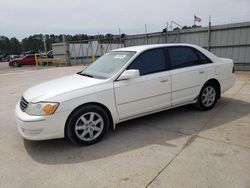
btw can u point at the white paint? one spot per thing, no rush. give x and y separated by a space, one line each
125 99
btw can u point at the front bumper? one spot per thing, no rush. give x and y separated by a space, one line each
40 127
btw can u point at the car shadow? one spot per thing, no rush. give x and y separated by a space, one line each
156 129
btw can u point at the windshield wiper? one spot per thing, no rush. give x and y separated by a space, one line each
84 74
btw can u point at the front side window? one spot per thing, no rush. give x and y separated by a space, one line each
107 65
182 57
149 62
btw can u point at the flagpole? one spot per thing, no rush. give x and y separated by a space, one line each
194 19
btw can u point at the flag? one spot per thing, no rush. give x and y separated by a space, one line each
197 19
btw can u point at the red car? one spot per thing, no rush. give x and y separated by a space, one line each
26 60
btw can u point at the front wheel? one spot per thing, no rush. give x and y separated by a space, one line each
16 64
207 97
87 125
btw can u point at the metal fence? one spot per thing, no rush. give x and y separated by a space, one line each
83 52
229 41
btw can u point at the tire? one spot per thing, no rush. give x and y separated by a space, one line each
15 64
87 125
208 96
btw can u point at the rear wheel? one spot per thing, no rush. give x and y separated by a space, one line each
208 96
87 125
16 64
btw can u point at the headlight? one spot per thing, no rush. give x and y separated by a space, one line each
42 108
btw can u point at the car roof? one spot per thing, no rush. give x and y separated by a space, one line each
152 46
139 49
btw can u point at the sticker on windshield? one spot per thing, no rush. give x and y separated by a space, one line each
120 56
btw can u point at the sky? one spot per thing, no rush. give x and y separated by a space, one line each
21 18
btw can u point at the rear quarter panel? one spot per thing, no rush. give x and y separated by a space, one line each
223 73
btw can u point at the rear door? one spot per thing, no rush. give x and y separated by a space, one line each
29 60
25 60
149 92
188 73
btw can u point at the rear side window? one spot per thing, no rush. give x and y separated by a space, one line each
151 61
203 59
182 57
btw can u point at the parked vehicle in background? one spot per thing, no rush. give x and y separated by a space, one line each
50 54
4 58
12 57
121 85
25 60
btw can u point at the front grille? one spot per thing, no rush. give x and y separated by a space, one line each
23 104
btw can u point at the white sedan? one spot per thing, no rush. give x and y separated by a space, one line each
121 85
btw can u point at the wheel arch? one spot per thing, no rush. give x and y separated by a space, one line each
217 83
112 124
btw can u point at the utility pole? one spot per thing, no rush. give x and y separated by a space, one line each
209 34
66 51
146 32
120 37
166 34
45 47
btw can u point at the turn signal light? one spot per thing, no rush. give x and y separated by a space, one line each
50 109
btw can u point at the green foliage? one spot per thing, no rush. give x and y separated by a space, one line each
176 29
4 45
32 43
15 46
35 43
183 28
191 27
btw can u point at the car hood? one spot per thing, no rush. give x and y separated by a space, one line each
47 90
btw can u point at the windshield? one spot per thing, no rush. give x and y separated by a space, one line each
108 64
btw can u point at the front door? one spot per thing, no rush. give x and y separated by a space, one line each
149 92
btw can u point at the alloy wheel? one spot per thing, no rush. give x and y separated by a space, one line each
208 96
89 126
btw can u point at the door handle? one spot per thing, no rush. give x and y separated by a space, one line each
202 72
164 80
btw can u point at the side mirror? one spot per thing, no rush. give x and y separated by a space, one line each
129 74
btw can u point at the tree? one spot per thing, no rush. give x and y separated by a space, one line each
4 45
109 36
15 46
33 43
176 29
186 27
196 26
